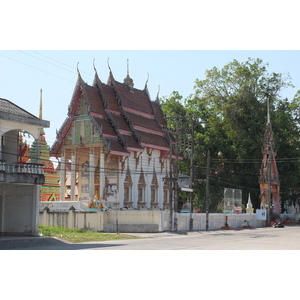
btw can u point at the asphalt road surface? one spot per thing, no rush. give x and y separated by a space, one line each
287 238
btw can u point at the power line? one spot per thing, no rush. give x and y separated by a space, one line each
73 72
36 68
91 76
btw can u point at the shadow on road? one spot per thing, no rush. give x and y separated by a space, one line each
44 243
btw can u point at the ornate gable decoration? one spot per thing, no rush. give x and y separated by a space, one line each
82 108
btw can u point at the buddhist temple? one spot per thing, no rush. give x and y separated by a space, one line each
114 141
269 177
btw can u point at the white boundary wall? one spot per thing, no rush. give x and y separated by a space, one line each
140 220
216 221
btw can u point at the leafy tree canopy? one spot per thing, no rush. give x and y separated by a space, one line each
230 109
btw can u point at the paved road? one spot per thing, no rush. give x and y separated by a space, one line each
287 238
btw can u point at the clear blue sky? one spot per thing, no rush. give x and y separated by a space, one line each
24 72
95 27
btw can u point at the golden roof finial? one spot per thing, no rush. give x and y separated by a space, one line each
108 64
78 70
127 67
128 81
95 67
147 81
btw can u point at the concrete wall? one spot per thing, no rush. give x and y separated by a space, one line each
133 216
132 221
128 221
18 214
216 221
140 221
72 219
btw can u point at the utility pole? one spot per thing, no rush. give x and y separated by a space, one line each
269 183
173 181
207 188
171 187
176 169
192 175
269 164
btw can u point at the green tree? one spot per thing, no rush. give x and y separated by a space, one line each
285 124
177 119
232 103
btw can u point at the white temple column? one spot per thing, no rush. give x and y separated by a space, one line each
73 176
92 175
62 177
35 209
102 175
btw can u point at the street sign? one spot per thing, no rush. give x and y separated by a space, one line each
183 181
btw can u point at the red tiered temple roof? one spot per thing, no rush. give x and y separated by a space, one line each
125 117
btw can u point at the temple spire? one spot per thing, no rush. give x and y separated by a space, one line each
269 176
128 81
41 104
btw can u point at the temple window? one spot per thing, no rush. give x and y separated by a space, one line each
141 191
128 189
154 188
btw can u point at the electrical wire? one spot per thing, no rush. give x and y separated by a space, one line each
71 71
90 76
36 68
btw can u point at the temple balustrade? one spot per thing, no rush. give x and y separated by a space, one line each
31 173
63 205
32 168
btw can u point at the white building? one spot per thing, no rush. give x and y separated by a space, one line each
19 182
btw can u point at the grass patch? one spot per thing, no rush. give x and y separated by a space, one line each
80 235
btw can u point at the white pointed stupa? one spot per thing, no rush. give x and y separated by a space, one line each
249 209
